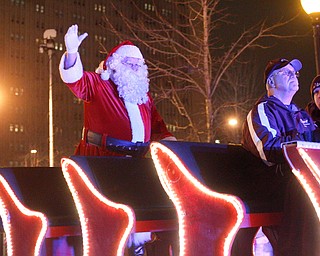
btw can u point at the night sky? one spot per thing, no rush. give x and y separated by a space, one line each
248 12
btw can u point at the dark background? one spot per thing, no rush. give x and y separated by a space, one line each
246 13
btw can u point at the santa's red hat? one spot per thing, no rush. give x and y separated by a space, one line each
124 49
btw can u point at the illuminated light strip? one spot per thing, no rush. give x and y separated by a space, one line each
154 148
308 190
5 216
314 170
6 219
84 227
310 163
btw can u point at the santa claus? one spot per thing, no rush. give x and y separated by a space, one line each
120 117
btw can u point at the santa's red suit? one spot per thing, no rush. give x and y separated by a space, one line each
107 114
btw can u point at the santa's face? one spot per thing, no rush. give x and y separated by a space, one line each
133 63
131 77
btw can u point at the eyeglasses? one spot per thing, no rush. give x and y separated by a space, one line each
281 62
289 73
133 66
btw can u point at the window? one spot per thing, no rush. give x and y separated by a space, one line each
39 8
16 91
16 128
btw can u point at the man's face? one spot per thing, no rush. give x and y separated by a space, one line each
131 77
316 97
286 80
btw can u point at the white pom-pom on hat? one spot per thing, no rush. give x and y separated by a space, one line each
105 74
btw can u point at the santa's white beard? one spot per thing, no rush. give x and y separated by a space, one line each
132 85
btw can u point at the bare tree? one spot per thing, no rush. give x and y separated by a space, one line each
188 60
241 86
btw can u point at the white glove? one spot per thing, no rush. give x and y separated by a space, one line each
72 40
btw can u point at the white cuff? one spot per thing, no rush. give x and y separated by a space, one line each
72 74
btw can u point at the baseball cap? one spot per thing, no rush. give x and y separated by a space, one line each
276 64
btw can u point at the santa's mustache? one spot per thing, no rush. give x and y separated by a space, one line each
132 84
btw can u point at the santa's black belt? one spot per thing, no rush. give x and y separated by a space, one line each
119 146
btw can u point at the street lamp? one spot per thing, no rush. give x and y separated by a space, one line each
33 158
312 8
48 45
233 122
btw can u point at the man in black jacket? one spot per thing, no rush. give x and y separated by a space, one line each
274 120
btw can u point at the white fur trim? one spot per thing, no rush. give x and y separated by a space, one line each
136 122
129 51
105 75
72 74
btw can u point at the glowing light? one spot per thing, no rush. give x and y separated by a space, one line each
307 171
2 99
182 187
306 186
91 204
311 6
311 164
307 181
13 221
233 122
